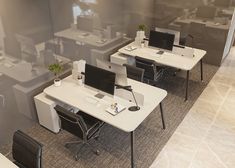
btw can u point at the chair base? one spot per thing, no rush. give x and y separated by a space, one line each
134 108
83 143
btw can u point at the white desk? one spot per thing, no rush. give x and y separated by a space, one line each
168 59
6 163
72 94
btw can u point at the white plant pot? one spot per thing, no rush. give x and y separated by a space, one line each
57 82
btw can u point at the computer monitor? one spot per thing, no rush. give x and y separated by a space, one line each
176 33
222 3
161 40
100 79
120 71
206 12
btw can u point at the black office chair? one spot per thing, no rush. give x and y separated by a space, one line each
81 125
134 73
152 72
26 151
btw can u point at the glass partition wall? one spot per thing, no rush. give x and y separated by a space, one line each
37 33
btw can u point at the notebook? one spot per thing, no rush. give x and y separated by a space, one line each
114 111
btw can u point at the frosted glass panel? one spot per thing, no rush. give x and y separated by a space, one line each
37 33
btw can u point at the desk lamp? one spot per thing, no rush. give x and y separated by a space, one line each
128 88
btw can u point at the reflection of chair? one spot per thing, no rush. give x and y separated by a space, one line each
197 30
26 151
134 72
151 71
81 125
28 49
2 97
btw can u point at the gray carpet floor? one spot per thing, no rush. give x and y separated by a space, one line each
114 145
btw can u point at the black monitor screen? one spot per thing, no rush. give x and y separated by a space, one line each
222 3
100 79
161 40
207 12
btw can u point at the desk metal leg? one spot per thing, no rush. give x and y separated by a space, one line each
201 62
132 150
187 81
162 115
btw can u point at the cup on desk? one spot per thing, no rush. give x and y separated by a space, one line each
142 44
79 80
146 43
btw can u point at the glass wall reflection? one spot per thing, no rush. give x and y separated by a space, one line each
37 33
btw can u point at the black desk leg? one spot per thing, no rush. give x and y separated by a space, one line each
162 115
187 81
132 150
201 62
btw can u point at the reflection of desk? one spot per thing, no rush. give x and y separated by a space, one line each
169 59
85 37
215 37
29 83
22 71
6 163
72 94
208 23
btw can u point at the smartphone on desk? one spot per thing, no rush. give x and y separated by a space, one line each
160 52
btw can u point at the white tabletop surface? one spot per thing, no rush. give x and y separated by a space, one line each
78 96
78 36
6 163
167 59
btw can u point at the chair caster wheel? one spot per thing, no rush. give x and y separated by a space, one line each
97 138
97 152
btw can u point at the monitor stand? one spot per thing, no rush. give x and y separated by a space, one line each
160 52
99 95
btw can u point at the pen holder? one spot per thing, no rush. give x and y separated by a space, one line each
79 80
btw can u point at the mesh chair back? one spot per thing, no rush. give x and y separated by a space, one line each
71 122
147 65
135 73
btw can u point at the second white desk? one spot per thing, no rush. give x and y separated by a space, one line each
169 59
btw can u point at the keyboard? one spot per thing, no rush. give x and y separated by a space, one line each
91 100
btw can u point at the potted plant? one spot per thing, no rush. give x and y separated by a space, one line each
56 69
140 35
